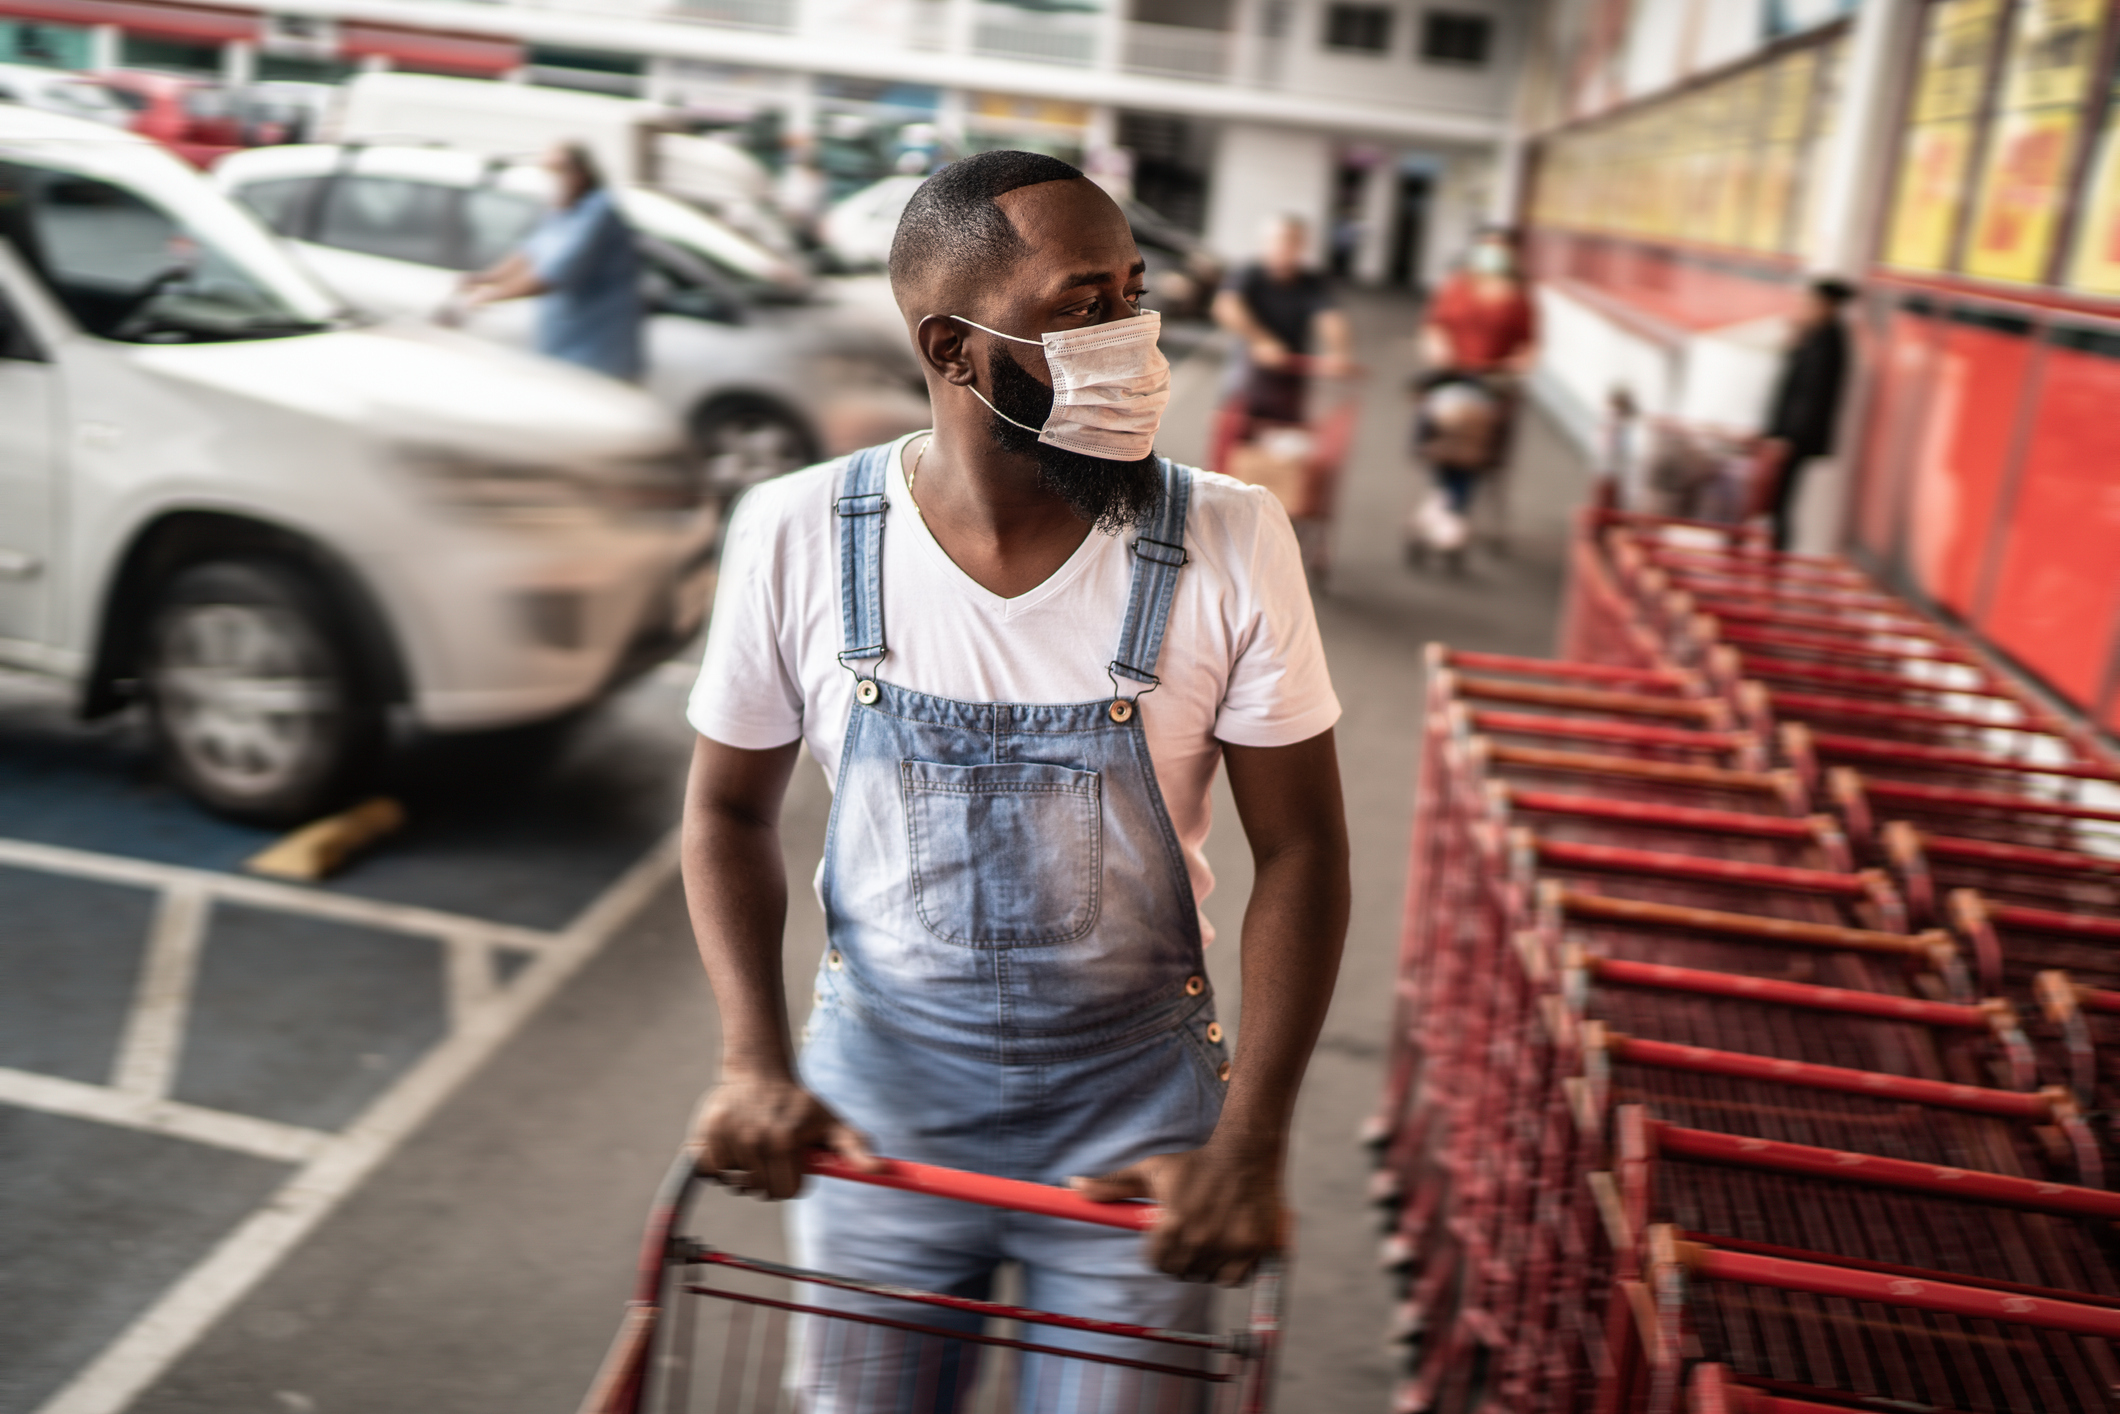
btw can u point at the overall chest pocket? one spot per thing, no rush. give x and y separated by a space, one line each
1004 855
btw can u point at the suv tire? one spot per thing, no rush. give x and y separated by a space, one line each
258 701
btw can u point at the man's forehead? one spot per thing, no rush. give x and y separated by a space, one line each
1071 228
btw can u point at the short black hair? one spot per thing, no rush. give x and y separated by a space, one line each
1833 291
953 232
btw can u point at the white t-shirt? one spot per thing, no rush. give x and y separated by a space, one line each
1241 659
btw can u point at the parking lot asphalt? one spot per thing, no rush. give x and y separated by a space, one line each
385 1144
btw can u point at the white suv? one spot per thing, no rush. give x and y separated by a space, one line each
274 523
768 372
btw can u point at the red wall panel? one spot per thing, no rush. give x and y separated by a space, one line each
2059 584
1959 446
1905 355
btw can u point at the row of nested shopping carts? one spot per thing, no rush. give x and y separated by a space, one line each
1759 1017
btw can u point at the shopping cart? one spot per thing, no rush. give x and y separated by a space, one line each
759 1315
1292 436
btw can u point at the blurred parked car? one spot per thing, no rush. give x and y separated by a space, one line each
58 91
637 143
192 117
283 110
767 375
1182 273
225 497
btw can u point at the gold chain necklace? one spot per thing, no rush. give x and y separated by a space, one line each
914 475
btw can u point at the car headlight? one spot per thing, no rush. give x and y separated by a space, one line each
501 488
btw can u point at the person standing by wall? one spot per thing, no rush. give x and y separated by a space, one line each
1805 410
582 264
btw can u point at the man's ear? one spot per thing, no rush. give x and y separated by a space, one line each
940 340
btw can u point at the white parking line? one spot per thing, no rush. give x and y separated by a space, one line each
187 1310
154 1031
267 1139
261 893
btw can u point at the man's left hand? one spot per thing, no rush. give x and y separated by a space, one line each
1222 1208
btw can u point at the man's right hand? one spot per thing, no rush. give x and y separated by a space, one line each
752 1133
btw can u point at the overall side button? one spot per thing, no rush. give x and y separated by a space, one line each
868 692
1122 711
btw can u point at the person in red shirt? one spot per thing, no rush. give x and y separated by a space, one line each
1479 334
1482 321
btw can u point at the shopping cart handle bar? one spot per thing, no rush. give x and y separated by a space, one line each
1011 1193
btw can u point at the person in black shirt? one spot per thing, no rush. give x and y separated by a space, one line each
1806 406
1279 309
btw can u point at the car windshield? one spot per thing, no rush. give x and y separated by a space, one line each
83 99
739 259
127 269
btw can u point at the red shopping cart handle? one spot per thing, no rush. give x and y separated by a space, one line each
1010 1193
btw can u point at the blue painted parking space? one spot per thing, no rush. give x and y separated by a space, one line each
196 1063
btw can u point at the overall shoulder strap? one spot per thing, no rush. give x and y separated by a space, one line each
860 509
1159 553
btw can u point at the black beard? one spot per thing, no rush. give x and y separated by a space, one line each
1110 495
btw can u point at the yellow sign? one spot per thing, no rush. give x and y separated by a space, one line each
1931 190
2021 194
2095 268
1791 106
1768 227
2053 45
1954 57
1047 112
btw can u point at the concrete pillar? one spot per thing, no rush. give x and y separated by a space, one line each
949 118
1852 177
1380 193
106 46
239 63
1261 172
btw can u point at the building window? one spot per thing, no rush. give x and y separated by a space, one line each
1448 38
1363 28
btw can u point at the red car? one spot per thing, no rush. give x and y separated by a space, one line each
192 117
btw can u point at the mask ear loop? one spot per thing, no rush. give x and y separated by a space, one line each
973 388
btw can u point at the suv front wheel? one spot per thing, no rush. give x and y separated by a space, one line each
258 704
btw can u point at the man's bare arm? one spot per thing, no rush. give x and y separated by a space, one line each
1224 1201
757 1121
513 277
1232 313
1335 336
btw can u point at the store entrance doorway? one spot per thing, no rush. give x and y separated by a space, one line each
1409 230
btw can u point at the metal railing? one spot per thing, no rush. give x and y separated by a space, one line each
1177 51
1040 43
745 14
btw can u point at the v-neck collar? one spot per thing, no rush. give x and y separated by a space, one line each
1070 569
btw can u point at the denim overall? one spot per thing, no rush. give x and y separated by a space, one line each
1014 984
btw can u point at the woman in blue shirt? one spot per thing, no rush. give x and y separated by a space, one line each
582 263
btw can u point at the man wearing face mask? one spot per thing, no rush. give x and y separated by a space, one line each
1019 646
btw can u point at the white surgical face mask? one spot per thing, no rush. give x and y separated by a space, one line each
1489 259
1110 385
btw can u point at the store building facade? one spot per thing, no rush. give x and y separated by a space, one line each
1386 123
1695 163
